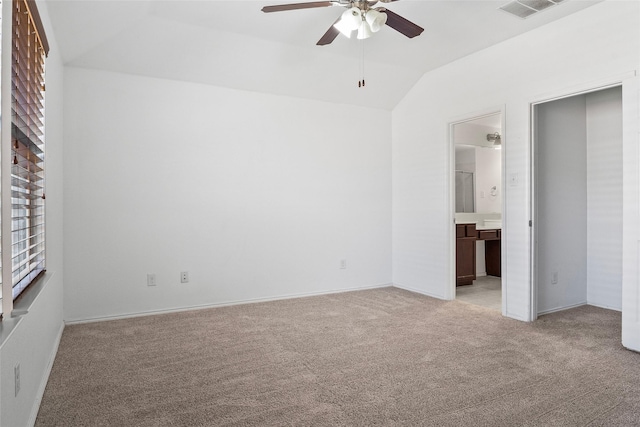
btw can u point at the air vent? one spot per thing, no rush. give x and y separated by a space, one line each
518 9
525 8
537 4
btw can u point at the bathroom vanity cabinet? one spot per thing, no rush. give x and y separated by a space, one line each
466 237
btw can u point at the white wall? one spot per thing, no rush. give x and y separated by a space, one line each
601 42
561 203
470 133
489 175
604 198
256 196
465 158
33 338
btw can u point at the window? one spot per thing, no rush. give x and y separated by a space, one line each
29 49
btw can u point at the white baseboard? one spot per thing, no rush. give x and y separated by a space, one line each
222 304
45 378
555 310
516 317
608 307
418 291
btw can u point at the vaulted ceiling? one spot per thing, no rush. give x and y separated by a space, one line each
233 44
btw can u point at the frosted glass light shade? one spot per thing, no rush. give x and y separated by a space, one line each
364 32
343 28
375 19
352 18
349 21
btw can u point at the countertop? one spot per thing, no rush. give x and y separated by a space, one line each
482 227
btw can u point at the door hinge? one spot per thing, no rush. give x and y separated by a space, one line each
530 223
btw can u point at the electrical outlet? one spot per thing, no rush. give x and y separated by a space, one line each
151 279
554 278
16 374
343 264
184 277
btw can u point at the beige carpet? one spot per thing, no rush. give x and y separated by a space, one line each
382 357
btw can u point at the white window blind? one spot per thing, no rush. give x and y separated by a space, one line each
29 49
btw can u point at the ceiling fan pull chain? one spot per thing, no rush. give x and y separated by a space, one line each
361 65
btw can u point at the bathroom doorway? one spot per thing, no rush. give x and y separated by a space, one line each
478 198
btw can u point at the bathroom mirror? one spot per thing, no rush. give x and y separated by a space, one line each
478 165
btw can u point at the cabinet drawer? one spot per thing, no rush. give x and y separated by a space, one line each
460 230
470 230
487 234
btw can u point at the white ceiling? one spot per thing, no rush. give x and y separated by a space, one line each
234 44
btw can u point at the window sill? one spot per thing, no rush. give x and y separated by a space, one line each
21 308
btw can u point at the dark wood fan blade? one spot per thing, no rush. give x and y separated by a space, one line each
402 25
294 6
330 35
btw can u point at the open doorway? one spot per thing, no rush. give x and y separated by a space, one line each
478 177
578 201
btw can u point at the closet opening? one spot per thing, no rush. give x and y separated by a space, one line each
577 198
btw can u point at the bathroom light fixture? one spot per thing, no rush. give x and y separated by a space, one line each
496 139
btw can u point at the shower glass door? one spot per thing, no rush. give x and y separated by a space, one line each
464 192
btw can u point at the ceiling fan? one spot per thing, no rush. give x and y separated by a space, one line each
360 16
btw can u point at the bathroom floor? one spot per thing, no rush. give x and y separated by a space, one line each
485 291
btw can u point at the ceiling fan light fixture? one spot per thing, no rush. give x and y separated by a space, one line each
349 21
375 19
360 16
352 18
343 27
364 32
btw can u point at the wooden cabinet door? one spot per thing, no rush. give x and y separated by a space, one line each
465 261
492 256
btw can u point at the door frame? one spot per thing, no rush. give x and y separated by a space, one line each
490 111
630 84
